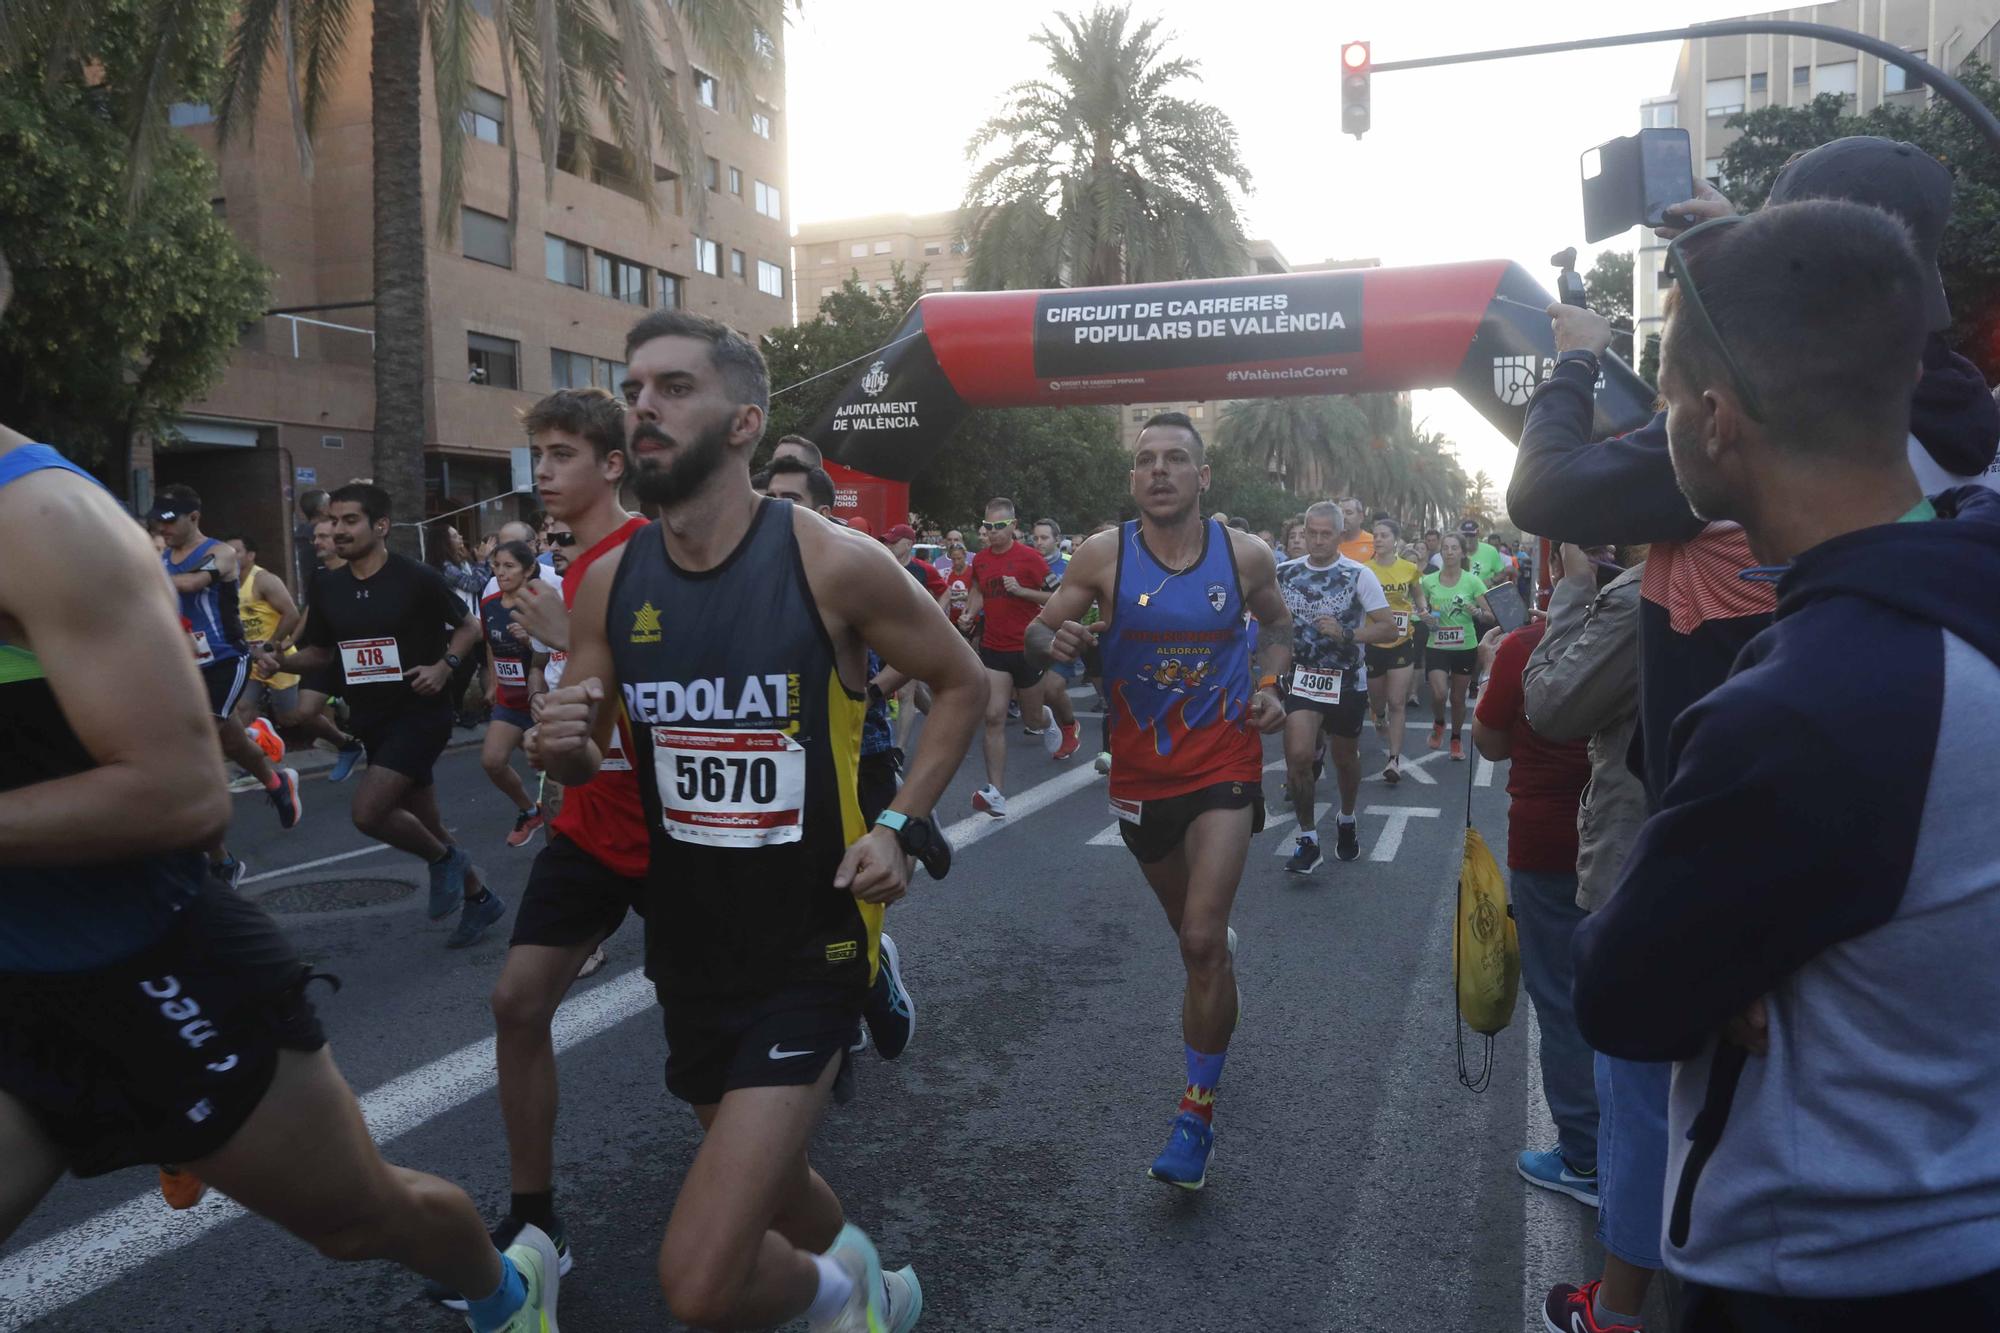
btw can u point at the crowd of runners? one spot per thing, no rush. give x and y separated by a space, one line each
1735 955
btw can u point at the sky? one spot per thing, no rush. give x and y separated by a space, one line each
1466 162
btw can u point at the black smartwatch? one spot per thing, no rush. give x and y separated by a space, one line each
451 660
920 838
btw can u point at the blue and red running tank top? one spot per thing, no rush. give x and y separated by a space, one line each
1177 661
211 615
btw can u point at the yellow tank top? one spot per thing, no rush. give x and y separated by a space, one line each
260 623
1397 577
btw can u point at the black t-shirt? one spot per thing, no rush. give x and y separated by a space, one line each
378 628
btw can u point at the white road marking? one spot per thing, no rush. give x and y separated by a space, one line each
1107 837
1413 769
975 827
51 1274
1399 817
1482 776
282 871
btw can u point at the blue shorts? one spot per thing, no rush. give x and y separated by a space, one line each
1631 1157
513 717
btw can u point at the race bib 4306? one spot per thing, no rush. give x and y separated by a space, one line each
1321 687
730 788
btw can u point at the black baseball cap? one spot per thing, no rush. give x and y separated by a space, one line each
1470 527
1901 179
171 502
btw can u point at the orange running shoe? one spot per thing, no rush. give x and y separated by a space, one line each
1457 749
181 1189
1437 734
267 738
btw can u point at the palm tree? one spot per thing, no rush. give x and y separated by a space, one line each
1308 444
571 61
1097 174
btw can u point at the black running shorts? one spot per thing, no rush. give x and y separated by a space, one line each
160 1058
572 898
1162 825
1381 661
1452 661
880 778
1341 719
780 1040
408 743
225 681
1013 664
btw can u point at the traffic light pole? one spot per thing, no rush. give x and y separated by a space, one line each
1947 87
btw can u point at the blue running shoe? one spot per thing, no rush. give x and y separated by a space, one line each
448 882
867 1309
346 762
1551 1172
890 1011
904 1297
1184 1161
477 918
1306 857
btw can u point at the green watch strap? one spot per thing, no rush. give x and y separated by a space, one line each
893 820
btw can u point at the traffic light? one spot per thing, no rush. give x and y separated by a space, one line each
1354 67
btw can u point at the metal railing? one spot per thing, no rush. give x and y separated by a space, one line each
296 320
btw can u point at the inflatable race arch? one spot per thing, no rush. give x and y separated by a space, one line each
1479 328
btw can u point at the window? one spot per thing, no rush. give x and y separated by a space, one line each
1662 115
736 182
1896 79
563 261
760 124
1139 415
738 265
828 293
1195 412
770 278
670 290
707 257
1711 169
881 247
882 287
183 114
766 201
958 284
933 247
485 116
933 284
859 250
711 175
494 362
621 279
1801 75
1759 81
767 49
1837 78
486 238
704 89
1723 97
575 370
958 247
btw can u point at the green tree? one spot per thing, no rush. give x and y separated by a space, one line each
1608 288
1970 256
1312 446
118 317
1099 173
1239 486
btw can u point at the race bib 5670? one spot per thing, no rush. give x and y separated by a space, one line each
730 788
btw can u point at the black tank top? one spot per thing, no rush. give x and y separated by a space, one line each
747 745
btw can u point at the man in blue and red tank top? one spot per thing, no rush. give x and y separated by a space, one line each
207 577
1188 706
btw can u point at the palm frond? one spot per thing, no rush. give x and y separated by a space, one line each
450 24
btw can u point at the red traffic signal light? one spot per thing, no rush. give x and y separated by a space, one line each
1355 63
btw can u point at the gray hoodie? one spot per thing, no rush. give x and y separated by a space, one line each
1583 682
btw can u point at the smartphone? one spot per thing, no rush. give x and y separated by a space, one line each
1666 172
1505 601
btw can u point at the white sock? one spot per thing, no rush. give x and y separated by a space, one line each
835 1286
1347 819
1310 835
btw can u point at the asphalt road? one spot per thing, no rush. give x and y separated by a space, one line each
1004 1155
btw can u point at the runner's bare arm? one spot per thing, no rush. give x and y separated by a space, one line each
79 587
280 598
222 557
1258 569
540 608
573 724
1379 627
1057 634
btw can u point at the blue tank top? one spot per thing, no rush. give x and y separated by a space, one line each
214 624
70 918
1177 661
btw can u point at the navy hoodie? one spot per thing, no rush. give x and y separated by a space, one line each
1825 841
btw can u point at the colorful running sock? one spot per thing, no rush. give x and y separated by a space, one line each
1203 1073
537 1210
492 1312
835 1286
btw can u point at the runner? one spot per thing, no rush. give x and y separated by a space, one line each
1005 581
270 618
1337 608
318 687
382 619
1188 706
1357 536
516 659
764 889
1451 595
1391 665
1048 704
207 578
1482 559
106 926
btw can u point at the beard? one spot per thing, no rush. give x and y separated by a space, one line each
669 482
1704 497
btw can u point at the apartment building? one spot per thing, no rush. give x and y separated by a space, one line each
519 305
1720 76
826 254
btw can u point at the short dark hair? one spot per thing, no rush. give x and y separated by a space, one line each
1821 302
374 501
312 503
1051 525
812 453
249 542
1432 532
819 486
1395 528
733 355
589 414
524 555
1181 420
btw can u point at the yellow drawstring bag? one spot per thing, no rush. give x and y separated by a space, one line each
1485 953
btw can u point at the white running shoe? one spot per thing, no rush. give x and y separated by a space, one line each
988 800
865 1311
905 1296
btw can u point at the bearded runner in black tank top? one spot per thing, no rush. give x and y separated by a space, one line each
747 745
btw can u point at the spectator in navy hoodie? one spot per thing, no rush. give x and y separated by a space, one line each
1807 921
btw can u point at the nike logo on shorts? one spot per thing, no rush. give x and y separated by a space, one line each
777 1054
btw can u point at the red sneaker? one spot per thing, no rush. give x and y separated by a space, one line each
1457 748
1072 740
181 1189
1572 1310
526 824
1437 734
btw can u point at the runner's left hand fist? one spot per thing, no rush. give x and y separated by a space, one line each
428 680
1267 712
539 607
1011 584
875 869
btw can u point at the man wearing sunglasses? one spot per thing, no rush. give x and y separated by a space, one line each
1834 1139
